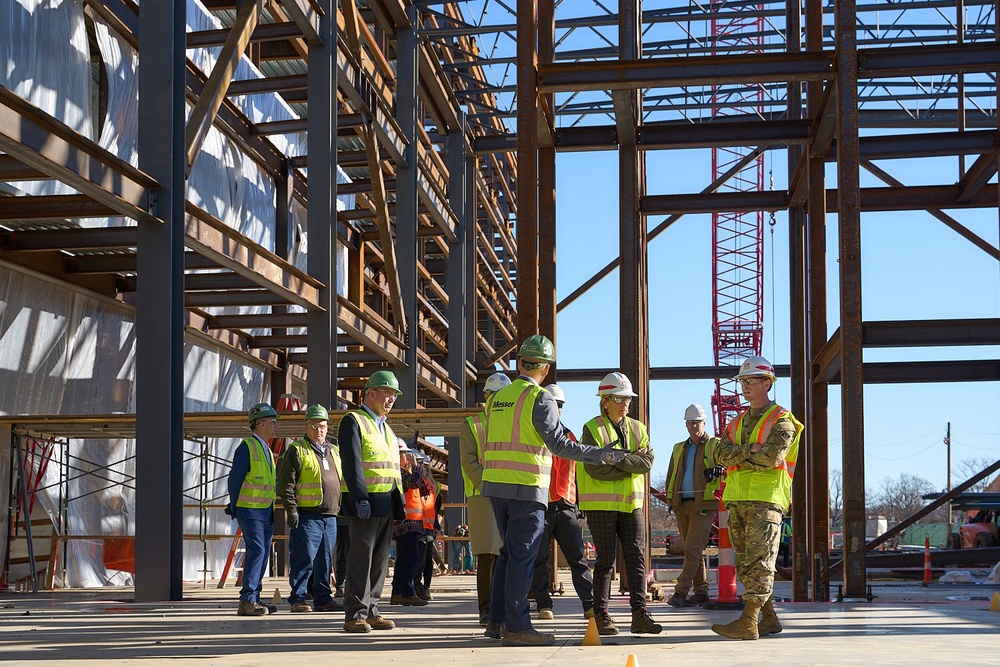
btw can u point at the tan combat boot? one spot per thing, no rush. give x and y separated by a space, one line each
768 624
744 627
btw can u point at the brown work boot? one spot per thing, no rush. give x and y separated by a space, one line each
768 624
380 623
301 608
643 623
248 608
527 638
605 624
356 625
744 627
493 630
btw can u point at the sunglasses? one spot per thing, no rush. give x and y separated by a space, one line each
620 400
533 365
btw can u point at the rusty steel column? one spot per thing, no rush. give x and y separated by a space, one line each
527 170
849 226
797 328
818 463
547 192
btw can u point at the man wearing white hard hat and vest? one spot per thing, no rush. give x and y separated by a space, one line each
483 533
612 498
692 480
759 448
522 427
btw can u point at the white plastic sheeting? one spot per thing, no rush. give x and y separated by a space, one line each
62 352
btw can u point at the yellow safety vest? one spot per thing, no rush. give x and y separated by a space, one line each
257 491
478 428
379 455
309 487
620 495
710 487
773 485
514 451
335 453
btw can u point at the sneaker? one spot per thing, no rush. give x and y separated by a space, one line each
379 623
527 638
678 600
493 630
301 608
643 623
332 605
697 600
356 625
545 615
605 624
248 608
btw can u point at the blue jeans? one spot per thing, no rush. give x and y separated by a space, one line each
257 536
520 523
403 574
310 556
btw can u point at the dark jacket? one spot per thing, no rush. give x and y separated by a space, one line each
383 504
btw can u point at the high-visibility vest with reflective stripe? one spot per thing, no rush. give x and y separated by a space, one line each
335 453
478 428
420 508
379 455
620 495
710 487
257 491
514 452
773 485
309 485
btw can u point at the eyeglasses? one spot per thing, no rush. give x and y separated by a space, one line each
532 365
318 426
620 400
560 404
749 382
268 421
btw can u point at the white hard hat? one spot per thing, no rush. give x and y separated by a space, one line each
694 412
756 367
403 447
496 382
615 384
557 393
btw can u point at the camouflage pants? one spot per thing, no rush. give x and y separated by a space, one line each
755 530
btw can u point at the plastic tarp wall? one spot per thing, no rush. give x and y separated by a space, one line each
52 337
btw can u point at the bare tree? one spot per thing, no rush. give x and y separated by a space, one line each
970 467
836 498
660 518
898 498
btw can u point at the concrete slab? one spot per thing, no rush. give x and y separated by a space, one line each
906 624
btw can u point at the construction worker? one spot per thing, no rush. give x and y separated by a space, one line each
612 498
370 459
562 523
691 496
309 488
428 558
251 503
522 426
759 448
483 533
409 530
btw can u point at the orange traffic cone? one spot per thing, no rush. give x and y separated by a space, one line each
994 606
593 637
633 661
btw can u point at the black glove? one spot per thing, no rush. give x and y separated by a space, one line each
362 509
228 510
714 473
293 519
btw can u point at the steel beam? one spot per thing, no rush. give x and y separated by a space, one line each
527 170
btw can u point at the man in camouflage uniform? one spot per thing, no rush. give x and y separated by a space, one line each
759 448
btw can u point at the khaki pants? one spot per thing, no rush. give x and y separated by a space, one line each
695 526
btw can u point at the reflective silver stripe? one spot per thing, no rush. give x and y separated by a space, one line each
311 485
520 466
535 450
378 465
257 487
515 433
380 480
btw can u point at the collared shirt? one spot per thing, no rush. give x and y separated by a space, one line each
687 480
379 421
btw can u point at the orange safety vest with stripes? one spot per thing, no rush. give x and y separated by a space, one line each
420 508
258 488
514 452
620 495
773 485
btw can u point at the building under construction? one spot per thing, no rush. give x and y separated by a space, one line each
209 203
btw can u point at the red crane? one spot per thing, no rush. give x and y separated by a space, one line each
737 237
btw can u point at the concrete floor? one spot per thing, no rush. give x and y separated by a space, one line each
946 624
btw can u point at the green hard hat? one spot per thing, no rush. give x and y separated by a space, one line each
538 347
261 411
317 411
381 379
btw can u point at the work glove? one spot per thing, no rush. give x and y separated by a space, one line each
714 473
293 519
610 455
229 511
362 509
